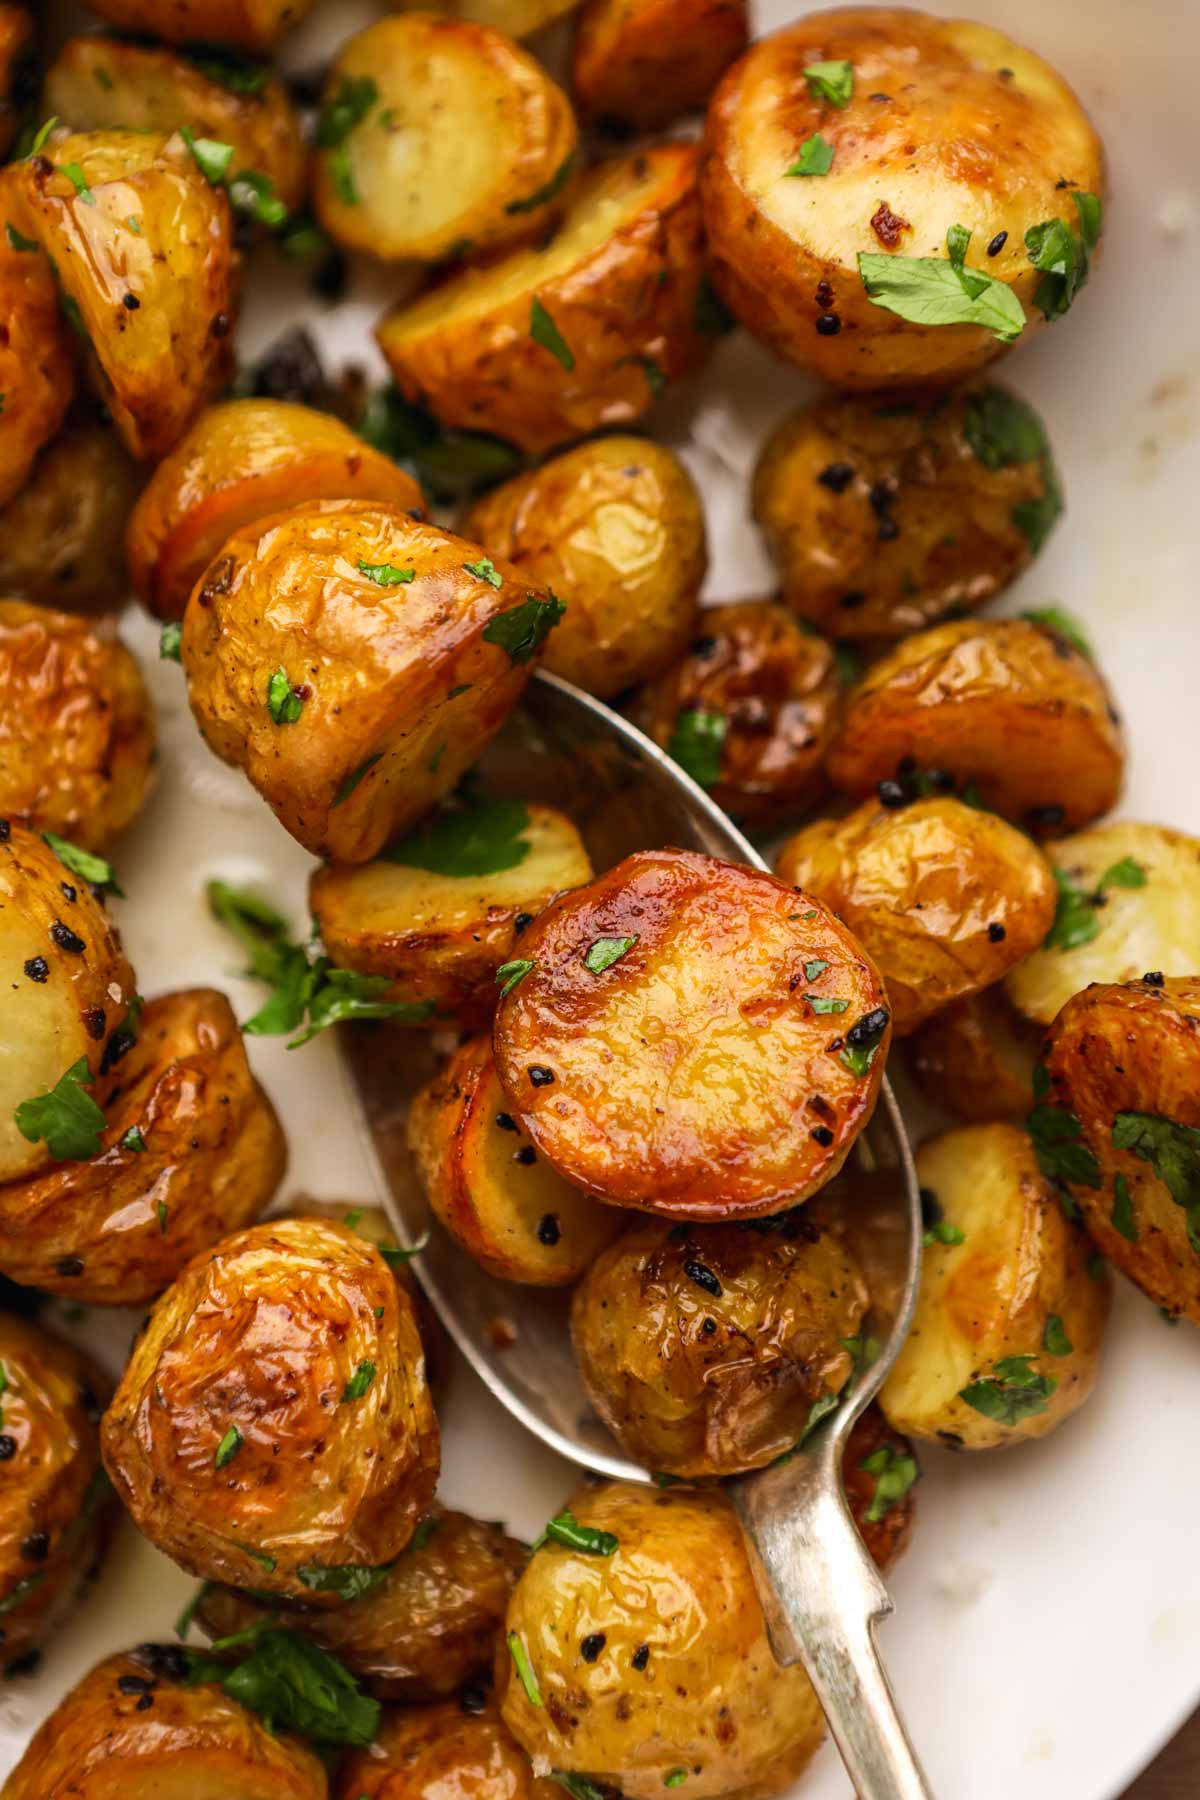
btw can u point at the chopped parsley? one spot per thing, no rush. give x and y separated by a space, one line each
510 973
564 1528
483 838
359 1382
451 465
349 1581
814 968
340 115
863 1040
228 1447
66 1119
822 1003
296 1686
133 1140
79 182
212 157
234 75
1002 430
524 1668
169 640
1013 1391
523 629
386 574
1128 872
545 332
815 157
284 702
18 242
1055 1341
895 1472
934 290
1075 915
696 742
1058 1145
90 868
354 777
832 82
1063 256
1173 1152
485 570
941 1231
606 951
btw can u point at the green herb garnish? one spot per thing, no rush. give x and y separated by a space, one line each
169 640
831 81
1058 1144
932 290
606 951
65 1119
522 630
295 1686
359 1382
228 1447
545 332
1060 622
212 157
564 1528
1063 256
90 868
467 841
349 1581
510 973
895 1473
696 742
284 703
386 574
1173 1152
1055 1341
485 570
550 189
815 157
1012 1392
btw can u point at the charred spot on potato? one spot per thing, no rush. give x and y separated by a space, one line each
888 226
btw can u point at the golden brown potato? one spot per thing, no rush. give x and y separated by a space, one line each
944 898
62 538
504 1205
1120 1120
241 462
1130 904
143 249
444 907
1006 1339
189 1149
37 366
519 18
636 66
750 711
976 1057
77 727
68 992
18 80
56 1508
704 1349
273 1428
240 24
932 124
692 1037
877 1462
1004 705
615 528
682 1678
354 662
884 512
457 1751
439 137
140 1728
430 1625
545 345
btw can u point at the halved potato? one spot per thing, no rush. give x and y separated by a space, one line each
875 1463
638 64
546 344
62 538
439 912
37 363
1005 705
457 1749
976 1058
17 71
1009 1324
241 24
519 18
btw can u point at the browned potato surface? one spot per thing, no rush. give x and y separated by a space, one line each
37 365
874 1450
62 538
507 1207
707 1696
638 64
1002 704
519 18
454 1751
945 898
884 512
945 122
750 710
392 659
16 76
240 24
76 727
273 1428
190 1149
545 345
719 1059
615 529
975 1058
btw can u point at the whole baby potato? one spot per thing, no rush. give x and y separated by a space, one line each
241 24
976 1057
638 64
457 1751
37 366
62 538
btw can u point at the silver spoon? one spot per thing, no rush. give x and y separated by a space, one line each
821 1592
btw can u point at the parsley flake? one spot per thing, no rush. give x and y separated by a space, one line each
934 290
133 1139
1057 620
359 1382
212 157
169 641
485 570
1058 1145
510 973
550 190
485 838
521 630
66 1119
1063 256
894 1474
564 1528
1013 1391
832 82
606 951
1173 1152
545 332
696 742
1055 1341
815 157
90 868
524 1668
386 574
284 703
18 242
228 1447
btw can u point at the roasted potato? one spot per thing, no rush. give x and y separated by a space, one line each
917 125
668 1048
1120 1121
189 1149
884 512
944 898
68 992
430 1625
615 528
354 662
62 538
56 1507
1131 903
704 1348
77 728
636 66
142 246
439 137
749 711
140 1727
875 1463
519 18
241 462
1006 1338
506 1207
654 1658
239 24
976 1058
273 1428
18 80
546 344
1005 705
458 1751
37 367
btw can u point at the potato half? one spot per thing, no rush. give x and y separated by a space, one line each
976 1057
241 24
37 364
546 344
62 538
1006 1339
637 66
458 1751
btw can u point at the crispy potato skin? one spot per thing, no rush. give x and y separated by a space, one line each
1133 1048
380 738
470 147
115 1230
974 128
66 983
711 1698
519 18
192 1743
77 727
615 528
887 1538
776 687
37 364
619 283
427 1629
442 1750
990 1297
700 1381
880 516
1001 703
264 1333
241 462
975 1058
640 66
945 898
62 538
56 1509
241 24
690 1076
16 36
517 1218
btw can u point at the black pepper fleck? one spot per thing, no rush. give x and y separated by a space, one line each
473 1700
130 302
37 969
592 1645
703 1277
828 325
521 922
70 1265
95 1022
134 1684
506 1122
822 1135
548 1230
641 1656
540 1076
69 893
66 939
1154 978
708 1327
997 244
526 1155
837 477
8 1446
36 1547
996 933
5 831
891 794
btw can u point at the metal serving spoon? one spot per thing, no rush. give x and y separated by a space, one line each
821 1592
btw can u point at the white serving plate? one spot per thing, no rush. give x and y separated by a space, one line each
1047 1632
